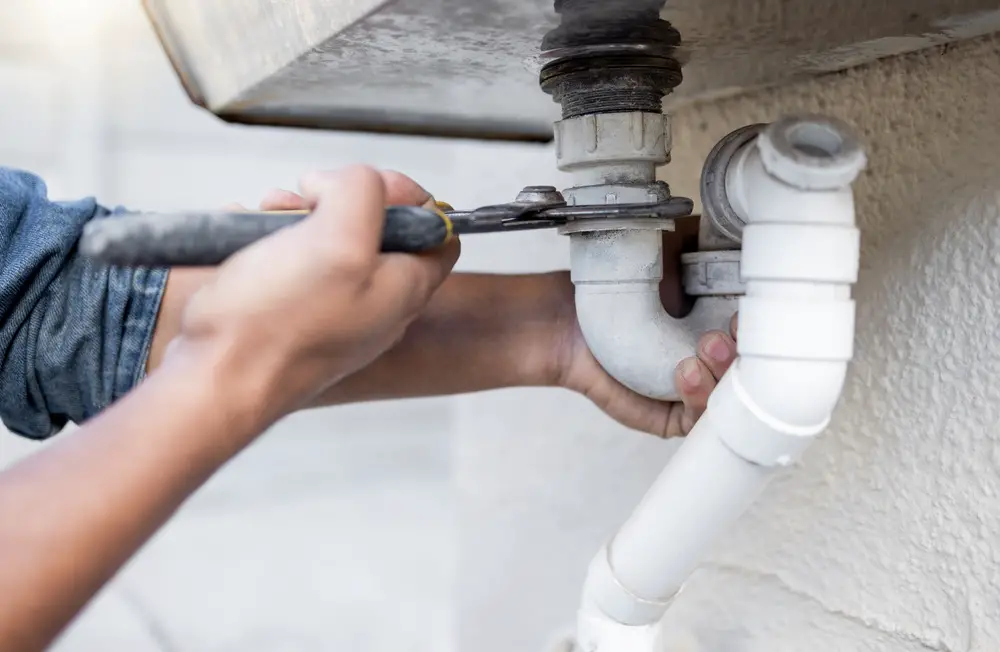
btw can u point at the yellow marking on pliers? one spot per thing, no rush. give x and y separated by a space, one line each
440 208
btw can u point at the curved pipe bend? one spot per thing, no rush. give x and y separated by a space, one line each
799 260
617 276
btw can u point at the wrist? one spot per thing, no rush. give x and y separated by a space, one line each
240 390
549 347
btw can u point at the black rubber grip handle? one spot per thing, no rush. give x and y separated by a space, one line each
200 239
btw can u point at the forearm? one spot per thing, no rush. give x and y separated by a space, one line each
72 514
479 332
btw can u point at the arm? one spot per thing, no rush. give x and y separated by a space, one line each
266 335
161 442
73 514
479 332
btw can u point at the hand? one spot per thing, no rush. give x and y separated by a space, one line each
696 378
293 314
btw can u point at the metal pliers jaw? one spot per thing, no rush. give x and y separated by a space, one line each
520 214
543 207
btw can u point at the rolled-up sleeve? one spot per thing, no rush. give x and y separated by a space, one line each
74 333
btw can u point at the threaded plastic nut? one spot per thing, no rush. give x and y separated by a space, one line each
811 152
607 138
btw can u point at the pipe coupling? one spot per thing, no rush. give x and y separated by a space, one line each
811 152
807 153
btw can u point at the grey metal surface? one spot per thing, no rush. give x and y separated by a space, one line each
720 220
468 68
712 273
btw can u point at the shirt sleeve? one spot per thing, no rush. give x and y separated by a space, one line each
74 333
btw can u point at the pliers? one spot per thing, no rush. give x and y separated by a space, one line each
208 238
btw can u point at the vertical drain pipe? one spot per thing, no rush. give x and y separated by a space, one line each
610 68
787 196
617 265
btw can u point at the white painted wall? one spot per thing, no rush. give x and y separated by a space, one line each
885 538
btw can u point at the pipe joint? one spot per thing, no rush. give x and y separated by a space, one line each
806 253
612 597
762 439
791 328
596 632
811 152
797 169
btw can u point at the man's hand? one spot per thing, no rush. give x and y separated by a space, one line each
295 313
696 379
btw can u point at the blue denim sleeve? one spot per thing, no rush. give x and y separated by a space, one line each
74 333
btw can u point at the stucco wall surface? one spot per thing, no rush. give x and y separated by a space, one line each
892 521
886 536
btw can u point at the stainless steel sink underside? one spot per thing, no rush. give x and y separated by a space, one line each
469 68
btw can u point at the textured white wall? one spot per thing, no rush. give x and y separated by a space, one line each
885 537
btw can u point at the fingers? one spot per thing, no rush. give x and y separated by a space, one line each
695 384
282 200
697 376
401 190
716 350
734 325
413 279
417 276
349 209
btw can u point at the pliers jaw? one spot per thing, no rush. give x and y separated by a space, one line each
544 207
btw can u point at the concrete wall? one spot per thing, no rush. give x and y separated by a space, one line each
885 537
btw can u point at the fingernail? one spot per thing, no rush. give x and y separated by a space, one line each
717 348
691 372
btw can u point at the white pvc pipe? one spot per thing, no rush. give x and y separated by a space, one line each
800 257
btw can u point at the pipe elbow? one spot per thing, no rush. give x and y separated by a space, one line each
617 275
632 336
801 393
764 426
797 170
758 195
